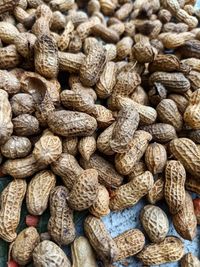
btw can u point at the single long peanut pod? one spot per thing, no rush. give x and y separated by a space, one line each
103 140
124 162
108 176
124 129
129 243
100 239
16 147
61 226
78 100
6 126
129 194
38 192
185 221
48 148
70 145
161 132
155 223
24 245
92 67
189 260
168 113
108 35
67 167
11 202
175 176
46 56
70 62
48 253
100 206
186 151
22 168
169 250
84 191
87 146
107 80
156 193
155 157
82 253
164 62
70 123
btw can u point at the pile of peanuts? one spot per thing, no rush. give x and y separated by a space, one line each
99 108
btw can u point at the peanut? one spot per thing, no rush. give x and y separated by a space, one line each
156 193
70 145
191 115
189 260
87 146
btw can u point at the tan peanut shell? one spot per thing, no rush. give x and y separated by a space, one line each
129 194
168 113
100 239
186 151
175 176
16 147
156 193
61 226
9 57
48 148
7 5
161 132
100 206
5 117
185 221
107 174
38 192
48 253
11 201
92 67
103 140
126 124
70 123
189 260
155 223
46 56
82 253
22 104
87 146
140 96
155 157
70 145
107 80
180 100
25 125
191 115
129 243
9 82
22 168
103 116
67 167
84 191
169 250
192 184
24 245
137 169
70 62
143 52
166 63
124 162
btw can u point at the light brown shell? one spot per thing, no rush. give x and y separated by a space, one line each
155 157
189 260
186 151
61 226
25 125
67 167
169 250
16 147
11 202
100 206
103 140
6 126
82 253
24 245
156 193
129 194
22 104
9 82
155 223
87 146
108 176
84 191
175 176
191 115
138 169
70 145
70 123
129 243
124 162
185 221
48 253
100 239
48 148
38 192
